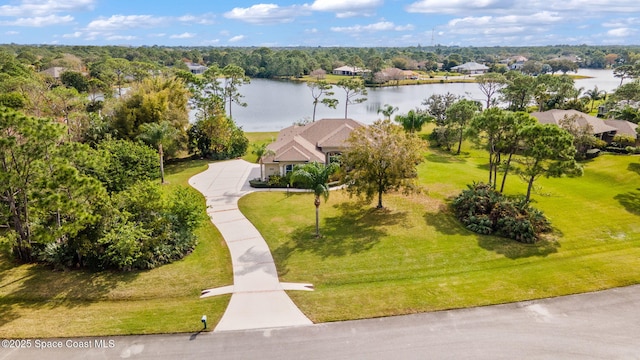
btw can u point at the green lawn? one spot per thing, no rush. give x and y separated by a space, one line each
38 302
411 257
414 256
258 138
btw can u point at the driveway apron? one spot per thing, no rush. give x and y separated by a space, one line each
258 297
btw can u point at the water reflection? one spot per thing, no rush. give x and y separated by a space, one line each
273 105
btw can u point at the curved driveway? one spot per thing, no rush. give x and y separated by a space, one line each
258 298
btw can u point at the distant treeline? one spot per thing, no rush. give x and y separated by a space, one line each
267 62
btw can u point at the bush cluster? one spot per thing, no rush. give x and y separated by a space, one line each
485 211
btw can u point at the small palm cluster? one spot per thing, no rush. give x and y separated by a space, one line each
485 211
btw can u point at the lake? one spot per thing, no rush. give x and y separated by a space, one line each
273 105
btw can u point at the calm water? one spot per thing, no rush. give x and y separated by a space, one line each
273 105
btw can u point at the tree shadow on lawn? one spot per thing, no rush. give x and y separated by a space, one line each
446 223
437 157
630 201
515 250
175 166
40 287
635 167
357 229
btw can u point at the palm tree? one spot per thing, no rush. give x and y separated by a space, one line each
413 120
595 94
260 150
157 135
387 111
627 113
315 176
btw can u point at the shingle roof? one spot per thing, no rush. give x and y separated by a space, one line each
470 66
556 115
624 127
336 138
305 143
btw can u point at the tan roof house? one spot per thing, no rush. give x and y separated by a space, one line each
624 127
600 128
318 141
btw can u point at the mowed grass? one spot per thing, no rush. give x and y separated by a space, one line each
414 256
258 138
38 302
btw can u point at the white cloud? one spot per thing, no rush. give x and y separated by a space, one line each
74 35
344 9
591 6
39 21
34 8
185 35
621 32
262 14
121 22
341 5
379 26
121 37
622 22
503 25
12 32
205 19
451 6
237 38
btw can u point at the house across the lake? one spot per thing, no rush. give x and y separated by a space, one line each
196 69
350 71
471 68
320 141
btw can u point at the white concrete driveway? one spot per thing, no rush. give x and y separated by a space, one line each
258 297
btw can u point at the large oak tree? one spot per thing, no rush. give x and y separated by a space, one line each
379 158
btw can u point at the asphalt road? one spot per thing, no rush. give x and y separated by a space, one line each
601 325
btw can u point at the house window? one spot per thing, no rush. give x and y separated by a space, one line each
288 168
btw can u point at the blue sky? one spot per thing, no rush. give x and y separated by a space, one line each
320 22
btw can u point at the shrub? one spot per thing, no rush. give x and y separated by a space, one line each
485 211
632 149
623 140
128 162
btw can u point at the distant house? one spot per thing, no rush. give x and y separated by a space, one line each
599 127
319 141
410 75
470 68
196 69
55 72
514 62
350 71
516 65
395 74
